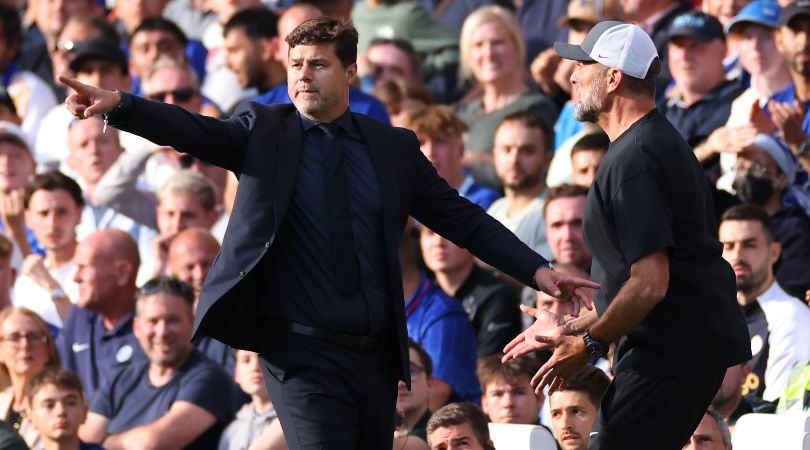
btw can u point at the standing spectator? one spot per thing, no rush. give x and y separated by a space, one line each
522 154
26 349
779 325
97 338
493 52
53 205
440 133
175 395
574 406
491 303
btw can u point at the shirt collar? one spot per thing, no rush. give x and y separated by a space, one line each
344 121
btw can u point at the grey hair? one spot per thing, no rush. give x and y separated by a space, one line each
723 425
164 62
190 182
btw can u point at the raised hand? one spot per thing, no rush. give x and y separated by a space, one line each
87 101
547 324
566 286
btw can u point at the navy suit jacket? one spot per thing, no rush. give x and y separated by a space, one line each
262 145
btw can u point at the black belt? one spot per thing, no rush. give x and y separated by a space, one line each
367 343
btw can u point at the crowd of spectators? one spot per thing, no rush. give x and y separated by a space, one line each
107 238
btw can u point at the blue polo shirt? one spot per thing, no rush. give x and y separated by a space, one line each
93 352
477 193
359 102
441 326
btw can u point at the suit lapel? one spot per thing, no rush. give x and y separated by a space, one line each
383 166
289 155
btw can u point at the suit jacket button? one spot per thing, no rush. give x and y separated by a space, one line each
267 244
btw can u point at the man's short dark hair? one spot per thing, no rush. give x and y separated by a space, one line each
594 141
165 284
11 28
257 23
749 212
590 380
327 30
457 414
490 369
646 86
564 190
62 378
53 181
531 119
161 24
424 358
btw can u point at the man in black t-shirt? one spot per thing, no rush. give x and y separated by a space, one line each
667 296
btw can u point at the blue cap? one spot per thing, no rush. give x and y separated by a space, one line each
761 12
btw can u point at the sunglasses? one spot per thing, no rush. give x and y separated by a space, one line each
167 285
179 95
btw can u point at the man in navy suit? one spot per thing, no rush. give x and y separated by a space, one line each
308 274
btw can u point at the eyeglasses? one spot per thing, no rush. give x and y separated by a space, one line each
34 338
416 370
167 285
180 95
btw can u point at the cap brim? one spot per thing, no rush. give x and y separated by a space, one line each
569 51
737 22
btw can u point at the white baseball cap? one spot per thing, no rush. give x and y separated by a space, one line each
620 45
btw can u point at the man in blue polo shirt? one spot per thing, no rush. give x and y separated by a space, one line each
97 336
175 397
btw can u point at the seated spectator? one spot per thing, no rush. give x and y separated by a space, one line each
501 76
586 155
522 152
176 83
57 407
17 166
490 302
254 417
764 171
441 326
152 38
191 254
251 42
564 211
734 397
711 434
390 59
98 62
400 98
440 134
779 325
26 349
97 338
700 100
458 425
359 101
508 396
414 402
53 204
574 406
175 395
32 96
560 307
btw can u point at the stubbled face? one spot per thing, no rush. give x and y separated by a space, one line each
53 217
792 41
493 53
317 81
243 56
163 325
749 253
16 166
572 417
519 155
148 46
57 412
564 231
589 90
506 402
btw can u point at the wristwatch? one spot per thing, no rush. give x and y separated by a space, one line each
594 348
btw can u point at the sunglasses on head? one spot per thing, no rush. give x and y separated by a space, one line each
167 285
180 95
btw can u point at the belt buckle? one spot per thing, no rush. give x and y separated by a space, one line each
367 343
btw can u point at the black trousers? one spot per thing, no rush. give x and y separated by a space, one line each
642 413
329 397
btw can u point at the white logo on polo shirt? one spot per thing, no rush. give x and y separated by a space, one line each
77 348
124 353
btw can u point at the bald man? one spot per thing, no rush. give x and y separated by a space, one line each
191 254
97 336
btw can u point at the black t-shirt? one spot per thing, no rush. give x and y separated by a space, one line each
649 195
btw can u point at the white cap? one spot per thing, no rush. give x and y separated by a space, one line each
620 45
